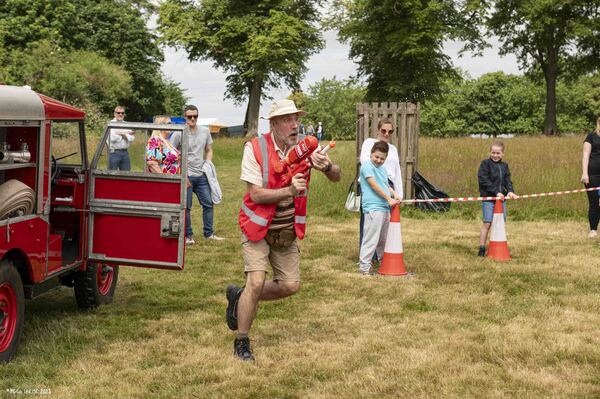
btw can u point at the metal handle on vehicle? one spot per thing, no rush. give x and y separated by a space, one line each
170 226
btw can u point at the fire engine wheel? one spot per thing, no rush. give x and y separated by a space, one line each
12 310
96 285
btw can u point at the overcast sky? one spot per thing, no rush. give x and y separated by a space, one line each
205 85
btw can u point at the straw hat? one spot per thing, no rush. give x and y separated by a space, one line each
284 107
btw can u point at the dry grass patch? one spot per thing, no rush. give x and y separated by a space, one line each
463 327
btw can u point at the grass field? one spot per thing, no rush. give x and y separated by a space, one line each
462 327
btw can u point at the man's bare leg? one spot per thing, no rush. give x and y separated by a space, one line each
277 289
248 302
257 289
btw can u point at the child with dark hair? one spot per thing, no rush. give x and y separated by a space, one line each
377 198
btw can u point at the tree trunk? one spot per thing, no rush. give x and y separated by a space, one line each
253 107
246 121
551 75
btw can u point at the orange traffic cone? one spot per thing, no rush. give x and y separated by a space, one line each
498 249
393 258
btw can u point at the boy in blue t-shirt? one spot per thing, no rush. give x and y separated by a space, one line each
376 200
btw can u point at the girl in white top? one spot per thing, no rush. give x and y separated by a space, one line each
385 129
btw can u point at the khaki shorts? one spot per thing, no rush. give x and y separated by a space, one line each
285 261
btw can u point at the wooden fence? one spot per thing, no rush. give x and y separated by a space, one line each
405 117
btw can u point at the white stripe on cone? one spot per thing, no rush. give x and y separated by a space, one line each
393 242
498 248
392 263
498 232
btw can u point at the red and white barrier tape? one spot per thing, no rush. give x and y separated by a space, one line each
466 199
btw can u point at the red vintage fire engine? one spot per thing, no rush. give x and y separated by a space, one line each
65 221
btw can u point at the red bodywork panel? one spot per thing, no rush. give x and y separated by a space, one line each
136 190
30 238
60 111
129 236
132 237
54 252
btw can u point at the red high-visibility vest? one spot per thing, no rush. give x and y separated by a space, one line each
254 219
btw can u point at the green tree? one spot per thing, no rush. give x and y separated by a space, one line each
260 44
69 76
333 102
493 104
587 93
497 103
556 37
299 98
442 116
398 44
175 99
578 103
114 29
119 31
81 78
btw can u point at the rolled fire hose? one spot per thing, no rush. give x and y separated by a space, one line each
16 199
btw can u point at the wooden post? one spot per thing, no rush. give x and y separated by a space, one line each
405 117
394 113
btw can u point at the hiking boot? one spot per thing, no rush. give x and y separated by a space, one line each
233 293
481 252
241 349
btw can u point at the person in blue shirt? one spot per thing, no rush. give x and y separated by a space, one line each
377 198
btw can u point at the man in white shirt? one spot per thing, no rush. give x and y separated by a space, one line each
320 131
272 220
118 143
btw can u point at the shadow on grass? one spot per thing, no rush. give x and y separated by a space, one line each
57 332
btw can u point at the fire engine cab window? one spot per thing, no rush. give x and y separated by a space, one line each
66 143
124 150
139 151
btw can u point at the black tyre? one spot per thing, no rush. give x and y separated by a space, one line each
95 285
12 310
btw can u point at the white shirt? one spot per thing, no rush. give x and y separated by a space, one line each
251 172
391 164
117 142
